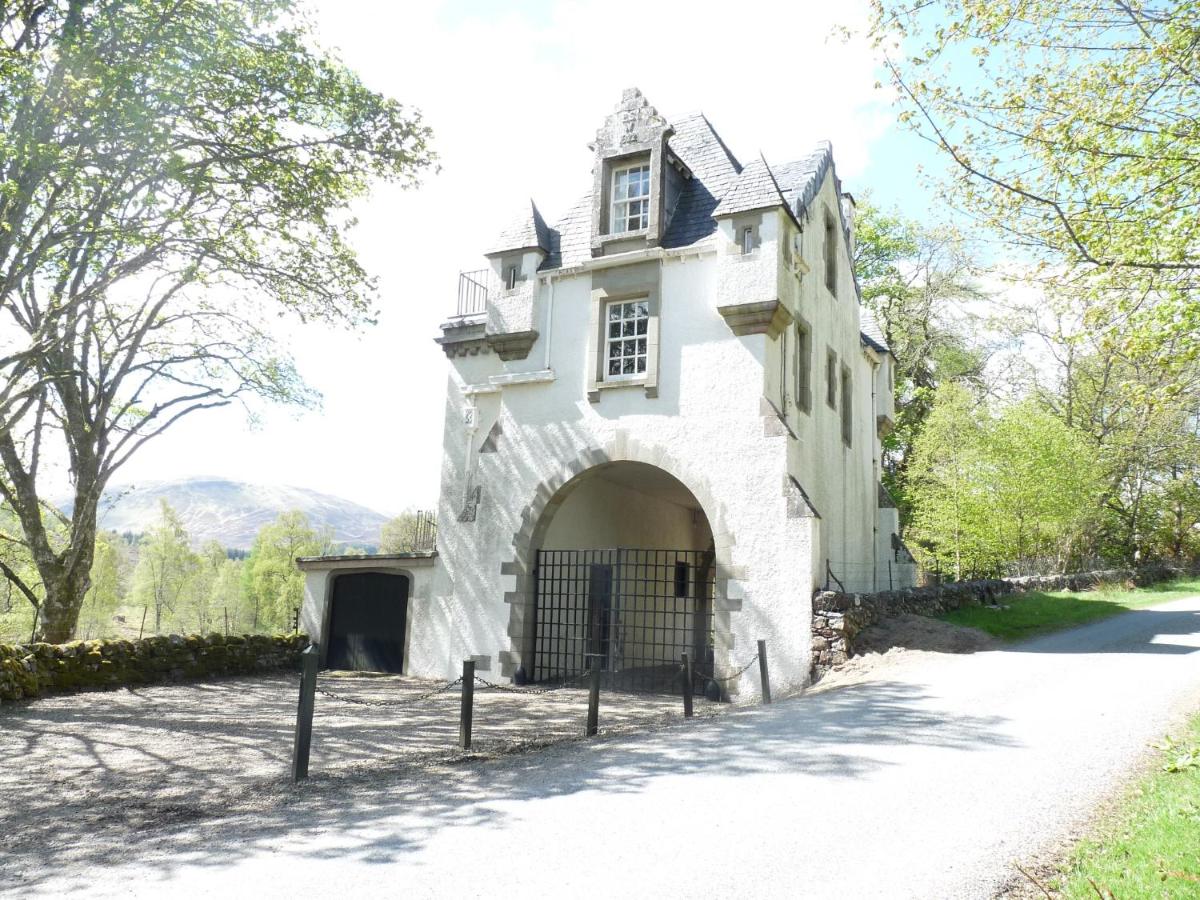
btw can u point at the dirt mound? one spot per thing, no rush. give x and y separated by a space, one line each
911 632
900 641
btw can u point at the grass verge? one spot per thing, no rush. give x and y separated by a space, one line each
1150 845
1028 615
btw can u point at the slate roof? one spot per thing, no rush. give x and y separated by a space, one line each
800 180
526 231
719 185
755 188
872 333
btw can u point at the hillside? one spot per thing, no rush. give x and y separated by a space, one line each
232 512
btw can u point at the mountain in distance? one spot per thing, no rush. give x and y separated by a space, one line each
232 512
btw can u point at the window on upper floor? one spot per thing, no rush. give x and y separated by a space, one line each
831 253
803 366
748 239
847 407
511 273
831 379
627 322
630 199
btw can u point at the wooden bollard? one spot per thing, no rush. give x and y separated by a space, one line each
468 704
763 673
687 686
593 715
304 712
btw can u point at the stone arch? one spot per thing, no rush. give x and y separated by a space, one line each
550 494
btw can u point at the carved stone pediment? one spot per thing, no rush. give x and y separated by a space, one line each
633 125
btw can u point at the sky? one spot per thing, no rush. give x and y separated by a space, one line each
514 92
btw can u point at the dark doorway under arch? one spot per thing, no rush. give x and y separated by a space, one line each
624 574
368 612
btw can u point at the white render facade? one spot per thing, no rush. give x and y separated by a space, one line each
681 369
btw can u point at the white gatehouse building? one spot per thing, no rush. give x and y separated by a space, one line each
662 433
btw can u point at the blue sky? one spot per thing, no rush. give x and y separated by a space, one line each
514 92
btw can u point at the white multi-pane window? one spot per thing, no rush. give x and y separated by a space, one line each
626 338
630 199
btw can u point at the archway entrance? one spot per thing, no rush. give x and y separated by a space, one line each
624 572
368 612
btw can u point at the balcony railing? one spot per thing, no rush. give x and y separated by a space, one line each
473 292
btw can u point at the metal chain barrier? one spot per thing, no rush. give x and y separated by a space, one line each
738 674
509 689
403 701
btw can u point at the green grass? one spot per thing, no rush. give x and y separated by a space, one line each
1028 615
1150 845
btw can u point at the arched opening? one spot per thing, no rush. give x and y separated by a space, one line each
624 571
368 612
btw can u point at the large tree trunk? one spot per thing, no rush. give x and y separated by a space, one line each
64 599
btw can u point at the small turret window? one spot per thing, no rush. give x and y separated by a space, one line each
747 239
511 273
631 199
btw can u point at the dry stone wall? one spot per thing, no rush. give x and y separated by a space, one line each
33 670
839 618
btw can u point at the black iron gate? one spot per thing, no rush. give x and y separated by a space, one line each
639 610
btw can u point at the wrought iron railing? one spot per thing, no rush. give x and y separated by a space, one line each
473 292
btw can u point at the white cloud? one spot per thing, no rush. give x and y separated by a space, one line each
514 98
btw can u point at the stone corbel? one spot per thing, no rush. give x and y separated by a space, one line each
512 346
767 317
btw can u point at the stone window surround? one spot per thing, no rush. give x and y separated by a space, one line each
596 359
847 389
740 224
803 353
831 377
830 253
646 154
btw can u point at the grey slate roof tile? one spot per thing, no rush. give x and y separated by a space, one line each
526 231
755 188
716 176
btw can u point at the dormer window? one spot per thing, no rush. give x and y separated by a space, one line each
630 199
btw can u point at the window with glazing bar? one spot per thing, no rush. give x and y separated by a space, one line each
626 338
630 199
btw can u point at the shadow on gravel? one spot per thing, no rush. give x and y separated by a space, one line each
829 735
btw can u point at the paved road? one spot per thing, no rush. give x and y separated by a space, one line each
925 783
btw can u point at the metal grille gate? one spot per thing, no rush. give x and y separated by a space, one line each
638 609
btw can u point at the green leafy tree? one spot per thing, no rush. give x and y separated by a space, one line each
107 589
274 586
1070 129
165 568
226 598
997 493
173 177
918 282
409 531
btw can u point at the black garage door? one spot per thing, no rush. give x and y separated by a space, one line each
366 622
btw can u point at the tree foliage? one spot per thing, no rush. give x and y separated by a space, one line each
273 584
1071 131
993 489
918 282
173 178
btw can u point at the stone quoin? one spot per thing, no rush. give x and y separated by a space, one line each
662 432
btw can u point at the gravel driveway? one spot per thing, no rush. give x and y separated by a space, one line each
925 782
82 773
